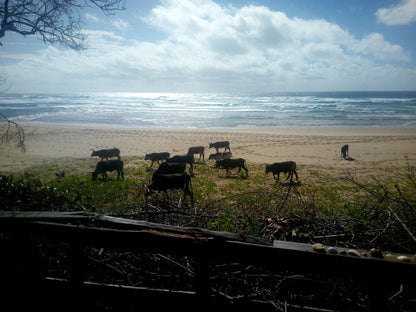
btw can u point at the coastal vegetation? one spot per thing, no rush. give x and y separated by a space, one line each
347 210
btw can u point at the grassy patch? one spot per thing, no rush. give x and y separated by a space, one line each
258 205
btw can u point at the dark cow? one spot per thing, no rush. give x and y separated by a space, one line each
217 145
228 164
108 165
156 157
183 159
220 156
176 181
168 168
197 150
106 153
345 151
285 167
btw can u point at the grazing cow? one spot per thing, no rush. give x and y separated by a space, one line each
108 165
156 157
169 168
183 159
177 181
197 150
285 167
220 156
228 164
106 153
345 151
217 145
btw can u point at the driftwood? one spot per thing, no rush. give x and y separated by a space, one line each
13 132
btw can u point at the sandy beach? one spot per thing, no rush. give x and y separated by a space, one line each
378 151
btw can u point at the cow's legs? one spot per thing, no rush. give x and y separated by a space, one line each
187 191
296 174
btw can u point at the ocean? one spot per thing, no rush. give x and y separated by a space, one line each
203 110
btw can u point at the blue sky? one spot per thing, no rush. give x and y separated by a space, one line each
226 46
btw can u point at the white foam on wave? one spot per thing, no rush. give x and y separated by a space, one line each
215 110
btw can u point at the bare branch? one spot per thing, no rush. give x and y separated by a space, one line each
53 21
13 134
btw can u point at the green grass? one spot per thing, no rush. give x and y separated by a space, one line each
232 203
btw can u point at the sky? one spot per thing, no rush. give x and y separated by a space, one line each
255 46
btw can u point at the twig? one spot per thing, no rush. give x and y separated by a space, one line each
402 223
7 138
112 268
176 263
398 293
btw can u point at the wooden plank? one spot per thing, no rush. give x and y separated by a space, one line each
7 217
45 215
142 240
176 229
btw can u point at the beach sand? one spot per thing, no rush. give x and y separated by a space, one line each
374 151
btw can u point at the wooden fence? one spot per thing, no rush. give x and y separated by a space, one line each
25 285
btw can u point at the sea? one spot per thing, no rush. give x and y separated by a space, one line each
209 110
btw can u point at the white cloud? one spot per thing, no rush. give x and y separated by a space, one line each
402 14
375 45
120 24
92 17
213 48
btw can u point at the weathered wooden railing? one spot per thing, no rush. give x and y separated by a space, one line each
24 284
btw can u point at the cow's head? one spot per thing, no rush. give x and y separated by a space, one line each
268 168
94 175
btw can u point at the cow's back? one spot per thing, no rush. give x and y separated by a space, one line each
281 167
169 168
196 150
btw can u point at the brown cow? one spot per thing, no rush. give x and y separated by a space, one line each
285 167
197 150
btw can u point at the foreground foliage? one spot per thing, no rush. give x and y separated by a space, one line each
341 211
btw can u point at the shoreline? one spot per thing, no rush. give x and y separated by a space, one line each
323 130
374 150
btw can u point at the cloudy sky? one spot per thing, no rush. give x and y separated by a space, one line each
227 46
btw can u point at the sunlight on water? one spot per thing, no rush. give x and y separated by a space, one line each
393 109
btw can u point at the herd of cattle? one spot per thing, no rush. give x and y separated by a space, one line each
171 173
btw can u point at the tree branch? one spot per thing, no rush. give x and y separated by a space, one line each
55 21
8 137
